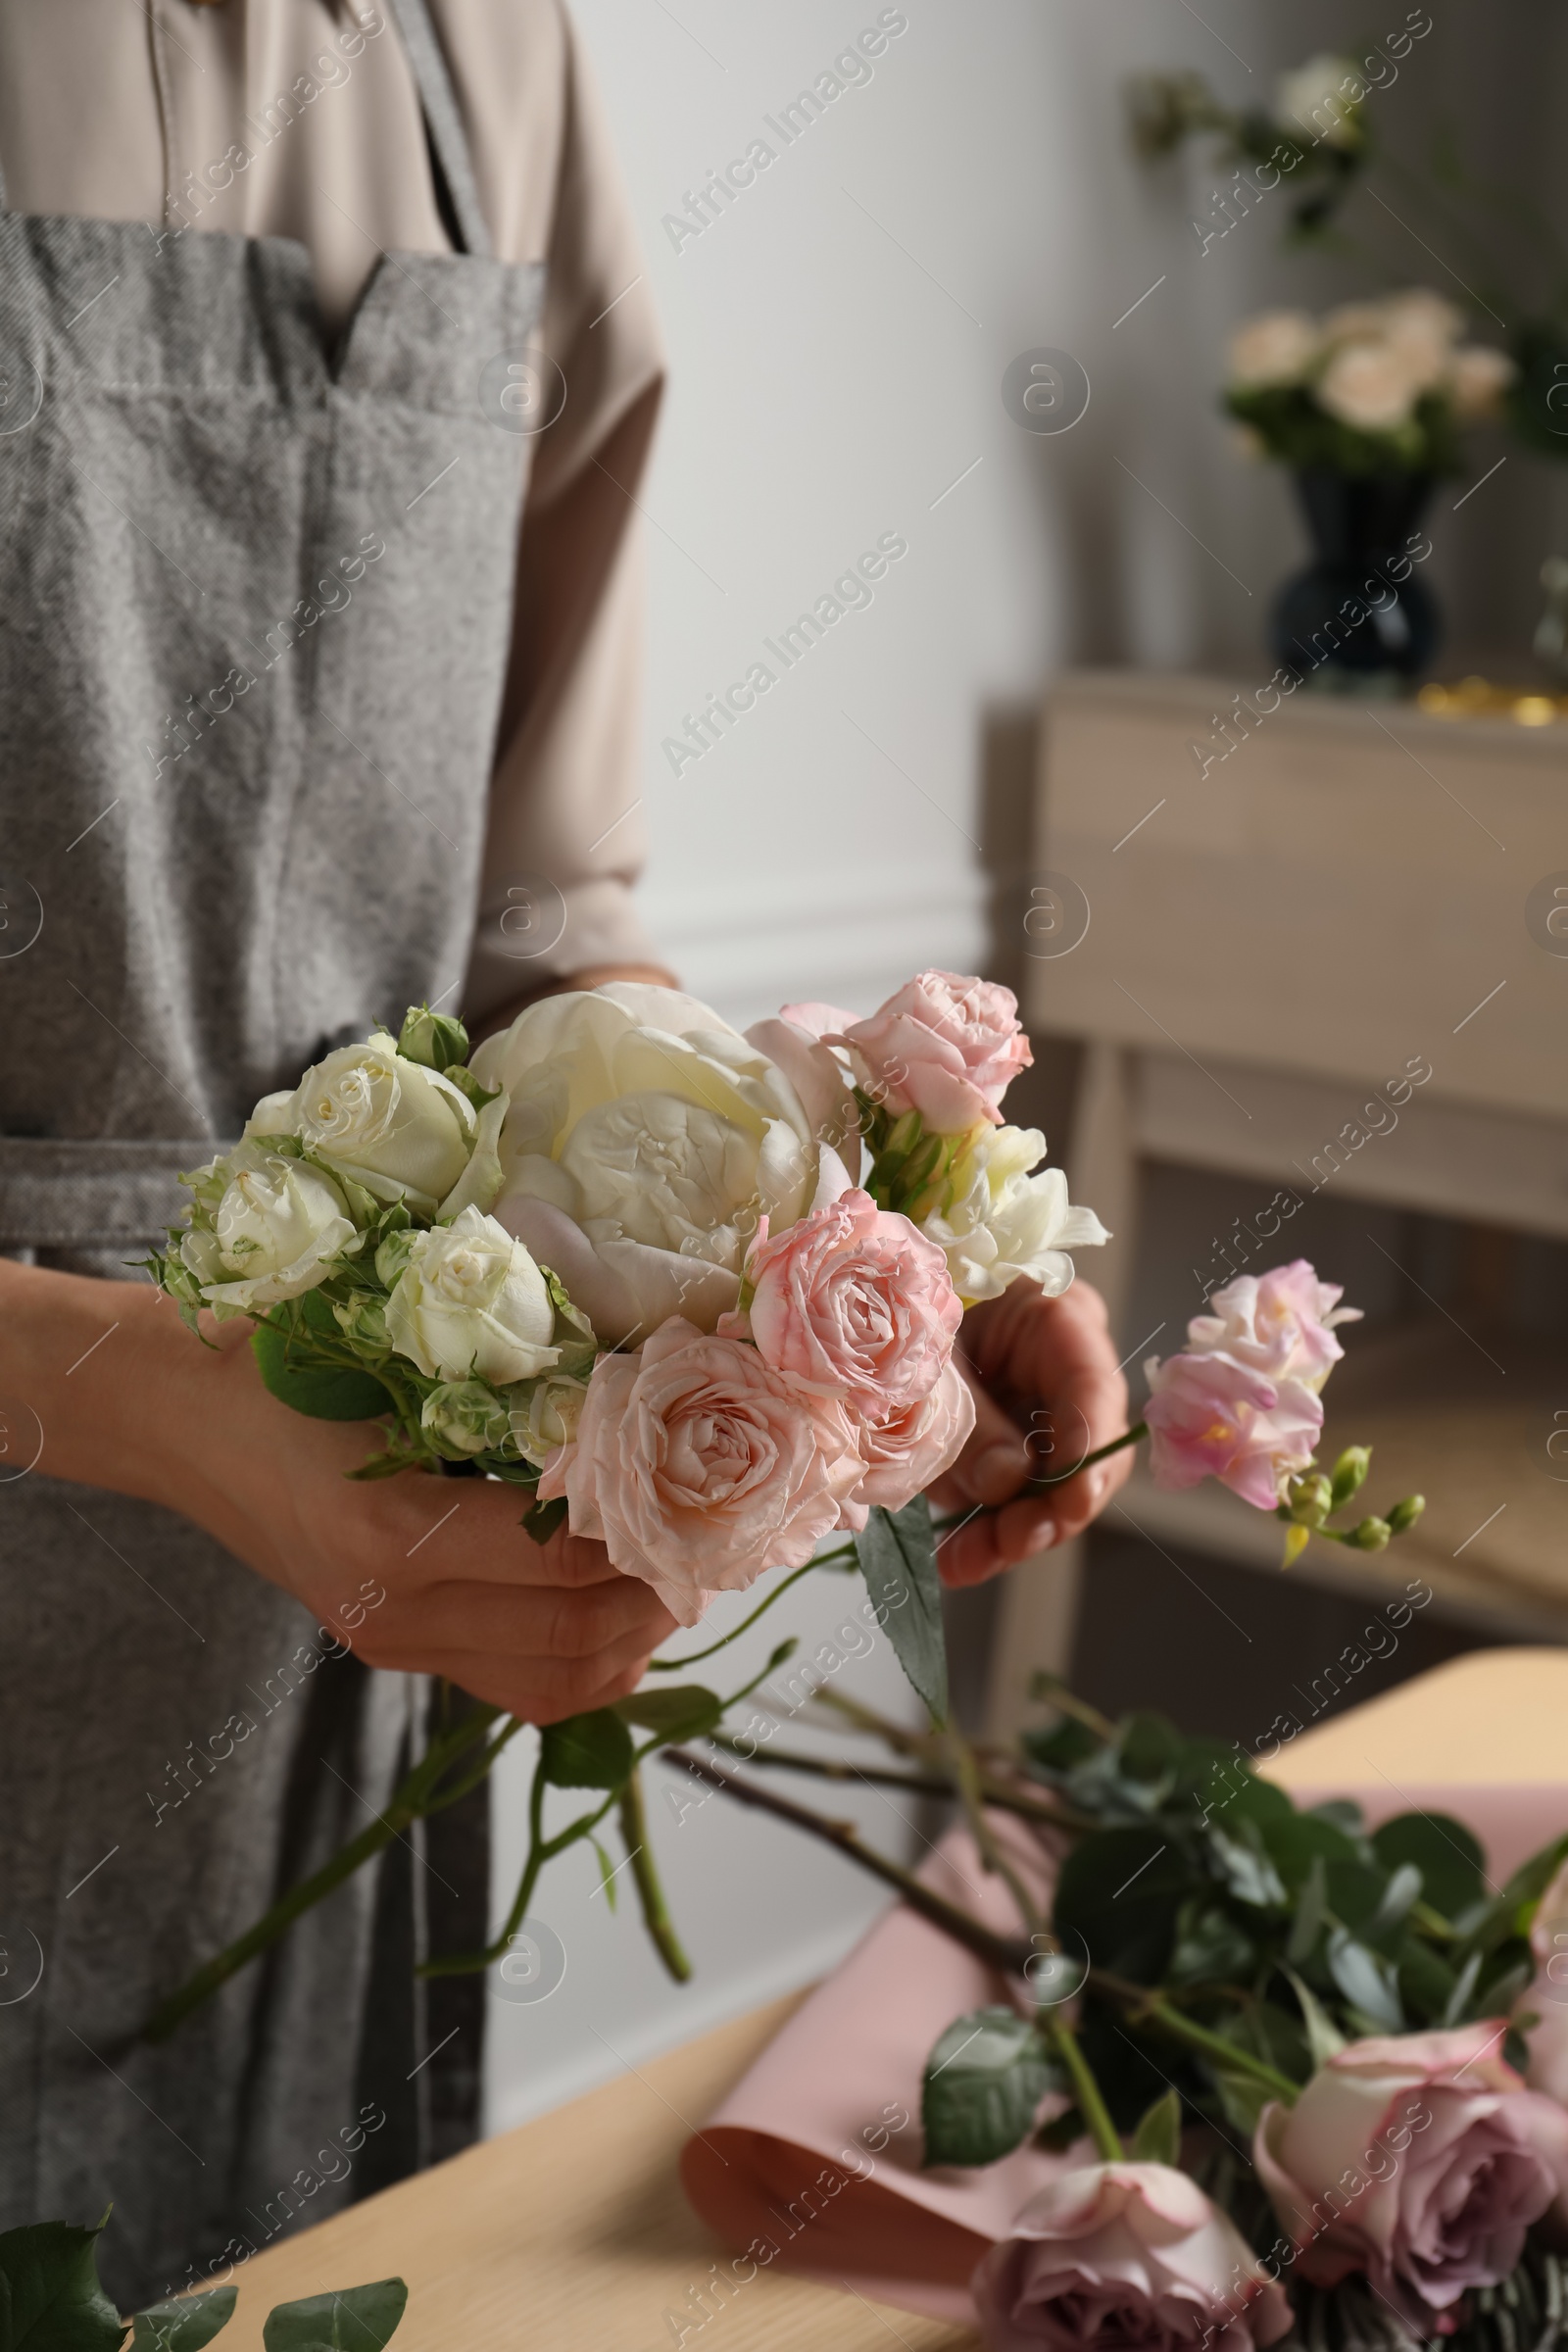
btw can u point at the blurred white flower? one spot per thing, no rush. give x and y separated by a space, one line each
1477 377
1277 348
1371 386
1322 100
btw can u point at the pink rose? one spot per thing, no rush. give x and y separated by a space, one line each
908 1452
1419 2159
1211 1418
854 1302
945 1046
1547 1999
699 1469
1280 1323
1125 2254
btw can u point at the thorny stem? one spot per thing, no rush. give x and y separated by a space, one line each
649 1891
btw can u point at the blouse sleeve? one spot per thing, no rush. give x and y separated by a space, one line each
566 838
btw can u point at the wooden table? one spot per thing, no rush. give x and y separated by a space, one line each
572 2233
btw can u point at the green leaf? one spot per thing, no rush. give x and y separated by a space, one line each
1323 2035
1446 1853
360 2319
1158 2136
326 1392
50 2270
897 1558
607 1871
1246 1871
587 1752
686 1712
1122 1890
185 2325
1367 1981
983 2082
546 1518
1310 1911
1243 2097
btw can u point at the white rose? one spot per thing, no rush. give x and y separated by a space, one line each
276 1225
1477 377
1371 386
1322 100
470 1304
544 1415
401 1131
644 1140
1003 1223
1277 348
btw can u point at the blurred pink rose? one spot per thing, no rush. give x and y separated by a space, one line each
698 1468
1279 1324
1211 1418
1117 2255
1419 2159
908 1452
855 1302
943 1046
1547 1999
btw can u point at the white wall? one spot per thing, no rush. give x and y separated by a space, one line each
838 340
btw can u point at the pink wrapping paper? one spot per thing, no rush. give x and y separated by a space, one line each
814 2159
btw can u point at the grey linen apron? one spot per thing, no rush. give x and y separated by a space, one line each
255 612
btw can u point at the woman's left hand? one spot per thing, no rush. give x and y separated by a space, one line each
1047 1390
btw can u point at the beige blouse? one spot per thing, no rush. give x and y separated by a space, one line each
141 110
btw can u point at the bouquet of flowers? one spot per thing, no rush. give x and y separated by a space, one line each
1373 387
696 1293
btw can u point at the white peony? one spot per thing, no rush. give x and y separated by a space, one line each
1322 100
471 1305
402 1132
276 1226
1477 377
1001 1224
1372 386
1277 348
645 1140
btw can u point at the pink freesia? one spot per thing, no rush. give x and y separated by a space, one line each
1420 2159
908 1452
1279 1324
853 1301
699 1469
1547 1999
1114 2256
1208 1417
943 1046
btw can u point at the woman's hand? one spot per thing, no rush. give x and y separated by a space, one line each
540 1630
1047 1391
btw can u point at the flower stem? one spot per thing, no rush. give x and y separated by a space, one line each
649 1891
1091 2099
696 1657
1149 2005
1129 1436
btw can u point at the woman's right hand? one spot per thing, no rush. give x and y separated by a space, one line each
541 1630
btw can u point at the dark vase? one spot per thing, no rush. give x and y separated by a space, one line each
1360 619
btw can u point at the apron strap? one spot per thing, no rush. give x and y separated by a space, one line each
443 121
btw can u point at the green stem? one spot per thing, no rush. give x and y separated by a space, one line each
1148 2005
916 1783
696 1657
1091 2101
649 1891
1129 1436
966 1772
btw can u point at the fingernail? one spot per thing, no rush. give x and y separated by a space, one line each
1099 1483
1046 1535
998 1472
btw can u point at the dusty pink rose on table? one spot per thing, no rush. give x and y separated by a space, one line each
943 1046
855 1302
908 1452
1117 2256
1209 1417
1420 2159
1547 1999
698 1468
1281 1324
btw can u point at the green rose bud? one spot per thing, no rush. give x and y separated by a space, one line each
362 1319
434 1038
394 1252
465 1418
1349 1471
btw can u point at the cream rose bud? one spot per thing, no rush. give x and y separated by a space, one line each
545 1414
276 1226
1371 386
465 1417
1277 348
382 1121
998 1223
470 1304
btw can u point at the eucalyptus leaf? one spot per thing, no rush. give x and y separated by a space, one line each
898 1557
1323 2036
1311 1912
587 1752
1366 1981
1400 1898
1465 1986
685 1712
358 2319
185 2325
1158 2136
50 2271
983 2082
326 1391
1243 2097
1447 1855
1248 1873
